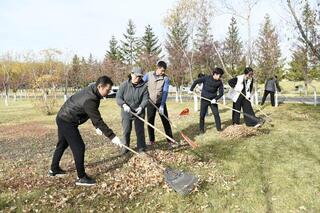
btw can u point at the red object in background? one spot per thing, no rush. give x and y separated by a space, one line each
185 111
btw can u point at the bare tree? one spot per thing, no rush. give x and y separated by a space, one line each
244 12
314 49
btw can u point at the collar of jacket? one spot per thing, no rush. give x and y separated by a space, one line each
140 84
95 91
158 77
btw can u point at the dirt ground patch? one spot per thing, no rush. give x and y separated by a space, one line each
24 130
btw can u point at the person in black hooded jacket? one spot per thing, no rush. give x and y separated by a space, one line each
212 89
80 107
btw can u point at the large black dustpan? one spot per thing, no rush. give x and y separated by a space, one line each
183 183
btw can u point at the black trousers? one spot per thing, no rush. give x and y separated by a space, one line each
127 120
69 135
151 114
243 103
203 111
265 94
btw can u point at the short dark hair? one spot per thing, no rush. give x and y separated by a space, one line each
247 70
200 75
218 71
104 81
162 64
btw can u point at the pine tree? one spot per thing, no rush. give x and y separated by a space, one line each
75 71
176 45
150 50
232 50
130 45
269 53
113 53
205 55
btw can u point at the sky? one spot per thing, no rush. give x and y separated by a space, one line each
86 26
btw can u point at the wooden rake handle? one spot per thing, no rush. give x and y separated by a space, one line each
143 120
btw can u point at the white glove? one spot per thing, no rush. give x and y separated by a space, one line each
161 110
98 131
116 140
190 92
213 101
126 108
138 110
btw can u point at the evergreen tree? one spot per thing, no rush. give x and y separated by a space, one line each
75 71
269 53
150 50
176 45
130 45
205 55
232 50
113 53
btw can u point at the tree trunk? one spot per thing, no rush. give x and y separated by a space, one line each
177 93
66 90
302 32
6 96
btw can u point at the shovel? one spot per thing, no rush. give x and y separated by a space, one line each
181 182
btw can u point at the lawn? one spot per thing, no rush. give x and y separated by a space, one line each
276 170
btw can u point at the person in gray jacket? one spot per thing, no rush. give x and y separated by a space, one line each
270 88
158 88
133 96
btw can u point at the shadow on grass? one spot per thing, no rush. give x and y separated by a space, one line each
262 171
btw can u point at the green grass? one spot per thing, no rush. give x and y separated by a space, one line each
276 171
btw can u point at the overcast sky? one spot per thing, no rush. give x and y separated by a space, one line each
86 26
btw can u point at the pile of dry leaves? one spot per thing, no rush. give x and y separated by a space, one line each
141 173
238 131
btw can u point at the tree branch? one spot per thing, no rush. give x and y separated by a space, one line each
304 36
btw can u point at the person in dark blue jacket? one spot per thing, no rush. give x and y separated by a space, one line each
212 89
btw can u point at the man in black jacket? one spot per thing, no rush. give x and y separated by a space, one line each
212 89
75 111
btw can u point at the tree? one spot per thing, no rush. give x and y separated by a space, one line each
114 51
307 16
177 39
75 72
130 45
232 50
243 11
307 46
269 53
189 12
149 52
205 54
112 64
5 71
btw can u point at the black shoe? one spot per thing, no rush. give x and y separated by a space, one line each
219 130
201 131
57 173
85 181
141 150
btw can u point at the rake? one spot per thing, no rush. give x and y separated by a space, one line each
246 114
181 182
189 141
